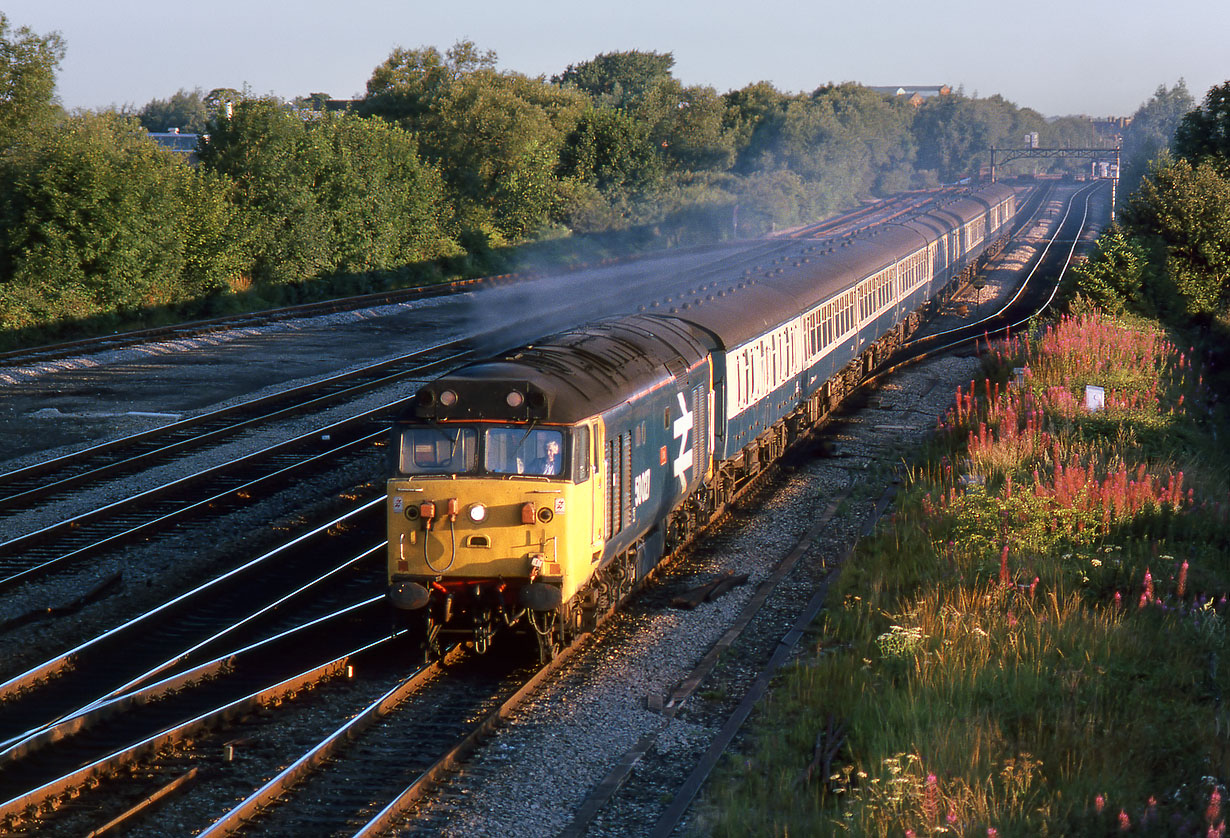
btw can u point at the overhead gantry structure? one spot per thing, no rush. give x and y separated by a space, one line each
1109 156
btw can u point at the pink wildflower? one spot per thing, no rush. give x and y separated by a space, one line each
1099 803
1125 823
931 799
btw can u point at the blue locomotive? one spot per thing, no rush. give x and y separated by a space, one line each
535 489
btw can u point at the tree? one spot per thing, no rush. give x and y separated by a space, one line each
610 150
495 136
1150 132
686 126
619 79
185 111
28 65
336 194
689 125
754 114
1204 133
842 141
97 219
219 100
410 83
1182 212
500 136
1113 277
955 133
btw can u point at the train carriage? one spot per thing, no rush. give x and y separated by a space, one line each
537 487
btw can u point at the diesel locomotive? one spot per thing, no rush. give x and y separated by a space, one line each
534 489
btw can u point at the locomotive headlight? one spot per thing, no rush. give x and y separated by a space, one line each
448 398
478 513
514 398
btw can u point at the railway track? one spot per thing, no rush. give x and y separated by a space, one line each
279 623
49 479
321 571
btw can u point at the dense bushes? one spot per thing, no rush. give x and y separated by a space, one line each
96 219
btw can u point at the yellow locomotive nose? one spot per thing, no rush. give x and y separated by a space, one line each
494 528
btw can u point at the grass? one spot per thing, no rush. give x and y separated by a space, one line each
1031 645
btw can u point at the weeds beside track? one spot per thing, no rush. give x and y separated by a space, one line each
1032 645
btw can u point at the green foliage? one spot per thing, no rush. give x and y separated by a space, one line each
445 150
218 100
610 150
339 194
619 80
185 110
1113 276
955 134
95 218
1204 133
1150 132
495 136
1182 212
28 64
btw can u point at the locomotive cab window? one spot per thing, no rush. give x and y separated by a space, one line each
516 450
580 455
438 450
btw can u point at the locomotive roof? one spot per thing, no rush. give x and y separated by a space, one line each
568 376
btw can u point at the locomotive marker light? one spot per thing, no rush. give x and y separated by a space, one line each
448 398
514 398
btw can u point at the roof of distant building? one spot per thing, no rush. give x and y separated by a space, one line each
175 141
924 90
181 145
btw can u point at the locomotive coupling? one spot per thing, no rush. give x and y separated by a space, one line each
408 596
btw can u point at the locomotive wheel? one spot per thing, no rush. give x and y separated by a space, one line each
576 620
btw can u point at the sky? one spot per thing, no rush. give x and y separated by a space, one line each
1060 57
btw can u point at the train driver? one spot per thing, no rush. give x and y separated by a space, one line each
548 463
